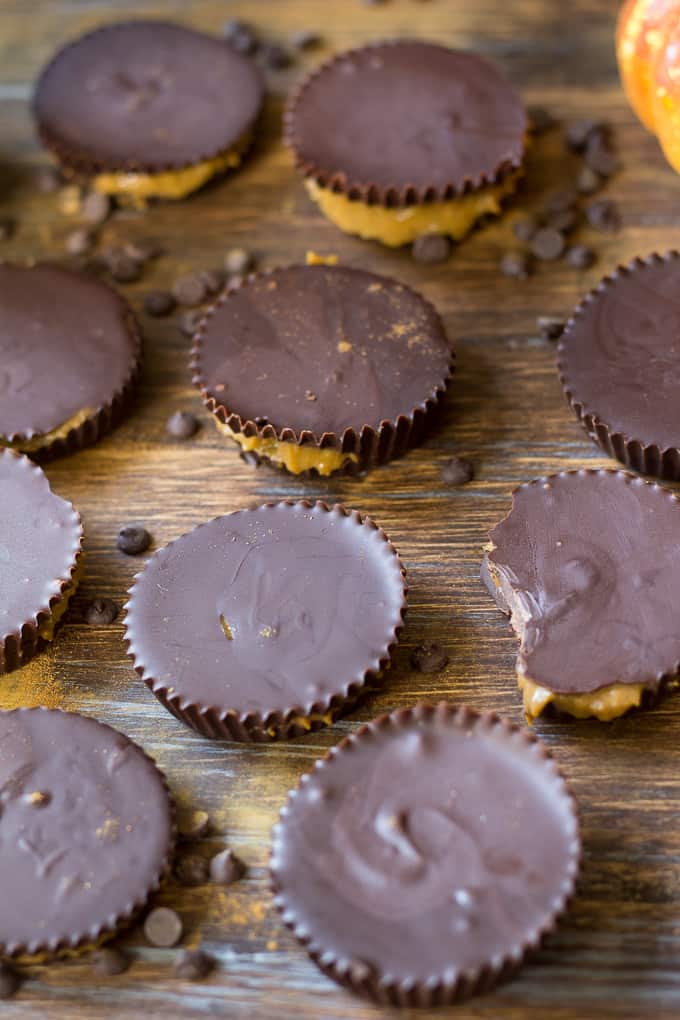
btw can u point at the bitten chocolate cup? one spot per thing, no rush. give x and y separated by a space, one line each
618 360
148 109
267 623
87 832
587 565
322 368
426 855
40 559
70 352
405 138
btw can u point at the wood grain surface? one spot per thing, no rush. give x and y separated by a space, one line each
617 953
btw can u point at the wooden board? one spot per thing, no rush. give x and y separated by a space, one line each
618 952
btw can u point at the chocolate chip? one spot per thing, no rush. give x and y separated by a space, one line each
48 180
159 303
79 241
429 658
192 870
213 280
305 39
525 228
182 425
564 221
143 250
240 36
540 120
195 825
190 321
124 269
275 56
457 471
547 244
100 612
600 158
133 540
581 257
189 289
193 964
516 264
226 867
237 260
110 961
95 208
549 327
603 214
9 981
579 132
429 249
561 200
163 927
588 182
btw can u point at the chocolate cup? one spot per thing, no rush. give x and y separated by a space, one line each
365 979
254 727
369 192
372 446
645 458
38 950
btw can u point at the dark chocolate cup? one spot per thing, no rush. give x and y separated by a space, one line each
646 458
366 980
279 724
371 445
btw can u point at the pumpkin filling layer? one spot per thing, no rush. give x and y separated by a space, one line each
45 439
47 629
294 458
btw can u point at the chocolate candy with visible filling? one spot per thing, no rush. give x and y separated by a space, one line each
267 623
619 359
588 565
426 854
322 368
87 831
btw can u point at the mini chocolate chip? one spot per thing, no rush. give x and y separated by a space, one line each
100 612
95 208
540 120
549 327
600 158
561 200
133 540
429 249
305 39
48 180
194 825
525 228
578 133
547 244
163 927
190 321
8 227
124 269
110 961
429 658
275 56
603 214
516 264
226 867
79 241
192 870
588 182
159 303
457 471
182 425
193 964
213 280
189 289
240 36
143 250
237 261
10 981
564 221
581 257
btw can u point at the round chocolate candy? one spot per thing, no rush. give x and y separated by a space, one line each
267 623
87 831
40 544
422 859
588 565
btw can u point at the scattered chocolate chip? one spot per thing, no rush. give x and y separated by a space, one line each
163 927
110 961
276 57
143 250
95 208
213 280
192 869
100 612
190 321
189 289
159 303
525 228
429 657
194 825
588 182
124 269
305 39
540 120
603 214
9 981
79 241
182 425
580 256
237 261
564 221
193 964
240 36
550 327
560 200
48 180
226 867
579 132
600 158
429 249
133 540
547 244
457 471
516 264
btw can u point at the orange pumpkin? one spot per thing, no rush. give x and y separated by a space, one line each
648 52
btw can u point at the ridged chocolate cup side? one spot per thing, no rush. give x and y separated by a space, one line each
20 646
254 727
646 458
365 980
371 193
371 446
38 950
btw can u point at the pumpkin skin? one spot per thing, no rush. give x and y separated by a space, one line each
640 40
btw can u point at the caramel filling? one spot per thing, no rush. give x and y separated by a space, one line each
289 455
46 629
45 439
402 225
